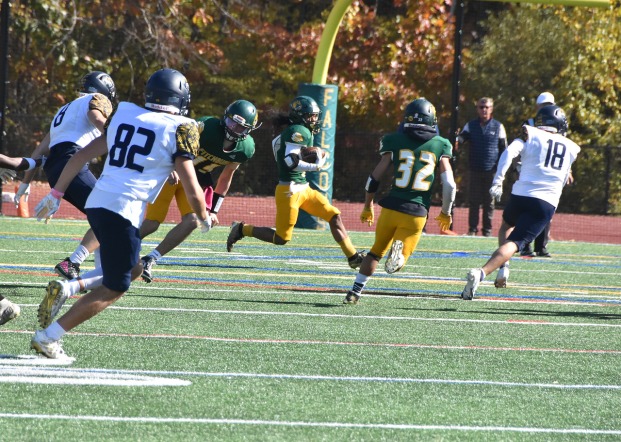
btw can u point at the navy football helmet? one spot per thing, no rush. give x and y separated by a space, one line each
419 112
167 90
305 111
240 118
98 82
551 119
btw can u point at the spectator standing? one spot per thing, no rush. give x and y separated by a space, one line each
487 139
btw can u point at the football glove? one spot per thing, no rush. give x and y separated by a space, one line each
47 207
367 216
7 175
321 161
23 190
206 224
496 191
444 221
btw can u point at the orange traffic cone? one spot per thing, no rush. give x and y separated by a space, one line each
22 207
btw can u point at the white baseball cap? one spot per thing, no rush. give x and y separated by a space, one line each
545 97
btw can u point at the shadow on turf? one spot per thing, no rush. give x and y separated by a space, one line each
586 315
253 301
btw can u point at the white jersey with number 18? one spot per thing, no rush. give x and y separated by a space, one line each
546 163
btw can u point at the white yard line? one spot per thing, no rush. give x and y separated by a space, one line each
165 420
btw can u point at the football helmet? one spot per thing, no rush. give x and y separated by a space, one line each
305 111
419 112
551 119
167 90
240 118
98 82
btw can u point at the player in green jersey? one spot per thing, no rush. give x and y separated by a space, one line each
293 191
224 143
413 153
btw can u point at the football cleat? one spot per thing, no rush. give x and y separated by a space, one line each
67 269
147 268
543 253
56 293
395 259
502 277
474 278
8 311
49 348
354 261
351 298
235 234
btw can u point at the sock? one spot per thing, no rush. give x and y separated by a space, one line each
359 283
155 255
80 255
55 331
92 279
97 258
347 247
247 230
482 274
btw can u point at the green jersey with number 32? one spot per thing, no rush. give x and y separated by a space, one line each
414 162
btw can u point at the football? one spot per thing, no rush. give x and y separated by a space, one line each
310 154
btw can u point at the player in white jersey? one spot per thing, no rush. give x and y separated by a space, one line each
74 126
547 156
144 146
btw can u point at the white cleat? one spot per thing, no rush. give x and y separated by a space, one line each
49 348
474 278
8 311
395 259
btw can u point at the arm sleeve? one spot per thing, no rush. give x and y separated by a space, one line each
187 137
449 190
512 151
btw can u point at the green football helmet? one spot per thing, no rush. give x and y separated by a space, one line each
240 118
305 111
420 112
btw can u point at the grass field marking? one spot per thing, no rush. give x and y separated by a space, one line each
378 379
374 317
31 360
336 343
64 376
344 316
188 420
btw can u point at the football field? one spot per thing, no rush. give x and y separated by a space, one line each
257 345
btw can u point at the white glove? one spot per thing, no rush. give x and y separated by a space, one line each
321 161
496 191
47 207
7 175
23 190
206 225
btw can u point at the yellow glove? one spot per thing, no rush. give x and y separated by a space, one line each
367 216
444 221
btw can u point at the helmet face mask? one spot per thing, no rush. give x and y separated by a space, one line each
551 119
167 90
305 111
98 82
240 118
420 113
